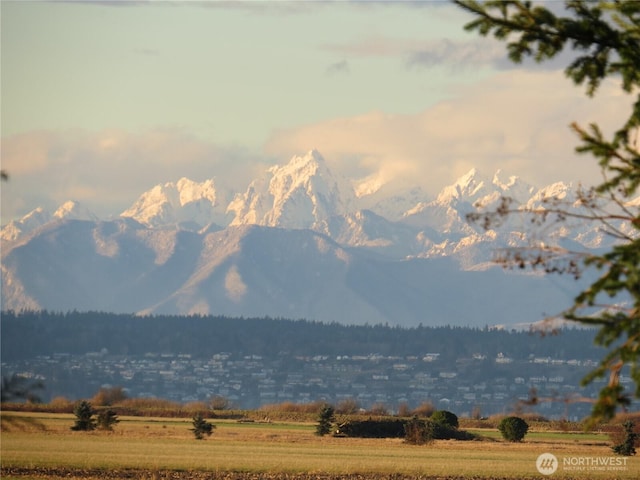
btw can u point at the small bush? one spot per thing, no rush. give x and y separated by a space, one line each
418 432
201 427
513 429
445 418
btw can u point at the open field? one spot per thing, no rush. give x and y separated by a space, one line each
38 446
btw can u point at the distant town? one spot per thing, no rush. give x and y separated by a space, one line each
462 370
473 386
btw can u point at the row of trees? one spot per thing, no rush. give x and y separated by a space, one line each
106 419
29 334
84 412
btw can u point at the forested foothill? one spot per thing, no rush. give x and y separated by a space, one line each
32 333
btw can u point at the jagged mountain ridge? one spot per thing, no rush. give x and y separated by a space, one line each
122 266
295 244
305 194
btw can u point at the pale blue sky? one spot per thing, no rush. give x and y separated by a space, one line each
228 74
102 100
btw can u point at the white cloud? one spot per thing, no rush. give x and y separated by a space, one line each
107 170
517 121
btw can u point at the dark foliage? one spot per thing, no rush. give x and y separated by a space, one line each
106 420
373 428
16 388
326 418
627 447
201 427
445 418
84 416
418 432
513 429
47 333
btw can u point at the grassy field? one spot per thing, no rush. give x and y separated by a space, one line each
43 446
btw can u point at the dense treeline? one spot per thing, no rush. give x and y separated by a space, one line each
27 334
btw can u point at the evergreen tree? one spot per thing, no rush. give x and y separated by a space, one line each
627 447
107 419
605 35
84 416
325 420
201 427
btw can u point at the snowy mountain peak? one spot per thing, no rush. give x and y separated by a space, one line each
182 201
470 185
18 228
301 165
38 217
73 210
300 194
190 191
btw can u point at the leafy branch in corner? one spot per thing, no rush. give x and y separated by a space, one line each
605 37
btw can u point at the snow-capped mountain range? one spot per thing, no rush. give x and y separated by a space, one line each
299 242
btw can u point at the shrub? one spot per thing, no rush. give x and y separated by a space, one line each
418 432
84 416
513 429
627 446
201 427
445 418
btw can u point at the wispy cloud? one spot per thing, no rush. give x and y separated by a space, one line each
444 52
107 170
517 121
